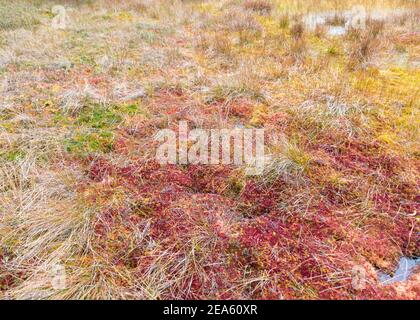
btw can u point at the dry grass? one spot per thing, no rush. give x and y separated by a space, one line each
81 194
260 6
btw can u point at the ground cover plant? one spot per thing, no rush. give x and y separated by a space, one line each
86 211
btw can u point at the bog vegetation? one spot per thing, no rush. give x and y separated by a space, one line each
80 187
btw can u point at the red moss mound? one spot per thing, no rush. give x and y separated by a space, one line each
210 236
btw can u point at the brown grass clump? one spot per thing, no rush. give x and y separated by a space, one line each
365 44
260 6
297 31
298 45
241 22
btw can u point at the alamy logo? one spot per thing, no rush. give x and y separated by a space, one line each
358 279
60 19
358 18
238 146
58 277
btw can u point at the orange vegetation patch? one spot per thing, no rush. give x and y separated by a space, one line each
194 212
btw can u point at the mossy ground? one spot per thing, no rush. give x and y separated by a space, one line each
80 187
